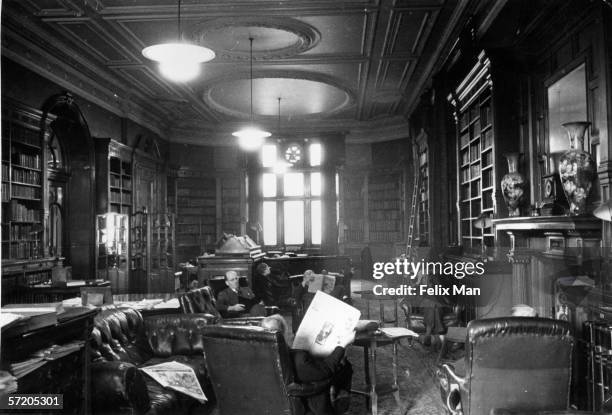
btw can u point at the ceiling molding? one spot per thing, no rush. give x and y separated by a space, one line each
307 36
208 88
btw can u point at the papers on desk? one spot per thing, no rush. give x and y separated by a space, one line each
177 376
38 359
395 332
326 321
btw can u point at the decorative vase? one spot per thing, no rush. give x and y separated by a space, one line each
576 168
513 185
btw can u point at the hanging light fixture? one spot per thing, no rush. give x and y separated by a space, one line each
251 138
179 61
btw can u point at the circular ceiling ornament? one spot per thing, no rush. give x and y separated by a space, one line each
276 37
304 94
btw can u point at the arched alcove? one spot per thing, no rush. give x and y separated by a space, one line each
76 179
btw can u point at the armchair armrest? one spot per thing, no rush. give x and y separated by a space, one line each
451 385
118 386
241 321
308 388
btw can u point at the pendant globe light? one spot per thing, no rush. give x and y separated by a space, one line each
251 138
179 61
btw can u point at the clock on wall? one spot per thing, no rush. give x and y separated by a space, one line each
293 153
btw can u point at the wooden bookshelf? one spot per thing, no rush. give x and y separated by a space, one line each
354 204
230 205
385 207
120 185
196 213
23 184
483 136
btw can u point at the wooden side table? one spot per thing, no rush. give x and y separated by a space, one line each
369 296
370 343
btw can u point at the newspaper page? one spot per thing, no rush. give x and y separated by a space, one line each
177 376
326 321
320 282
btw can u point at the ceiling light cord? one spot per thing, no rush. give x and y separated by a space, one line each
180 37
251 55
279 99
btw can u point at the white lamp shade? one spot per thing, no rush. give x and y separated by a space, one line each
604 212
183 52
179 71
179 62
251 138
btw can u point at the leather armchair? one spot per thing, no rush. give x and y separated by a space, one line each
123 341
515 363
252 372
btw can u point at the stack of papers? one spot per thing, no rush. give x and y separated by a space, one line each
38 359
21 369
395 332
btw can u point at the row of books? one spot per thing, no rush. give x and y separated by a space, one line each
38 359
385 236
31 161
385 215
20 175
116 181
384 204
21 250
26 136
26 192
24 232
196 192
21 213
196 201
392 225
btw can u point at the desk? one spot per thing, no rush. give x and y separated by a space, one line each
68 375
370 342
369 296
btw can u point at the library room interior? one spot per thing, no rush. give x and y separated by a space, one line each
395 207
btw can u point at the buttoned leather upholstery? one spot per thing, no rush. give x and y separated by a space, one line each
123 341
516 363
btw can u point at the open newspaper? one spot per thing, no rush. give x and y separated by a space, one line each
177 376
326 321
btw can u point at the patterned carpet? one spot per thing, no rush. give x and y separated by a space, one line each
418 392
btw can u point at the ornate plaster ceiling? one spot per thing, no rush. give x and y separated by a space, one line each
350 66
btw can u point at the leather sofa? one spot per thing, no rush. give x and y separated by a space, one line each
123 341
519 364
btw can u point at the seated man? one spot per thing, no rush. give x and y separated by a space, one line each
308 368
236 301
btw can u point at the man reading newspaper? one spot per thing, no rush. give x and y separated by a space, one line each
318 351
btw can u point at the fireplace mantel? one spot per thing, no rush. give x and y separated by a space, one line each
544 248
541 224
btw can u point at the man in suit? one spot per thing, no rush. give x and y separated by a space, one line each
236 301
